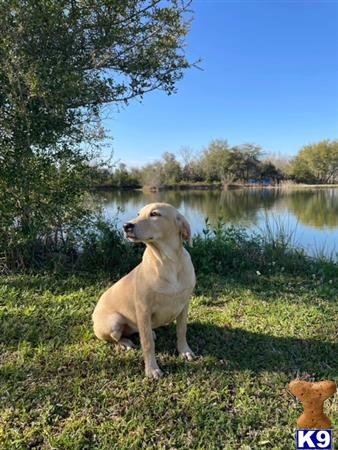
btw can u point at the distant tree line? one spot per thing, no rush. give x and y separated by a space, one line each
223 164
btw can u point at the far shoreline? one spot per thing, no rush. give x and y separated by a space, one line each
212 186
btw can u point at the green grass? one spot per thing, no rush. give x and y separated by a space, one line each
61 388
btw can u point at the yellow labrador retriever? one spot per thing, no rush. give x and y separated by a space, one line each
156 292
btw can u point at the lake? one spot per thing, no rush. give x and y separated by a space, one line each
311 215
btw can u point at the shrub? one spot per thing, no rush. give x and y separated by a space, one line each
222 250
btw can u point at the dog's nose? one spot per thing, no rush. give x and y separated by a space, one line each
128 226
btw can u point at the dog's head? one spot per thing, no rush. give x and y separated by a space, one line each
156 222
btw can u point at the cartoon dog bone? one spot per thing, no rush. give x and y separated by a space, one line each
313 395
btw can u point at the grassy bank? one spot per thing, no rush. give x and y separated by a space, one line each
261 316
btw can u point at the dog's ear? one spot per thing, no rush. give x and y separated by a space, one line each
184 228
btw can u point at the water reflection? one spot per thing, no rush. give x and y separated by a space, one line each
318 208
315 210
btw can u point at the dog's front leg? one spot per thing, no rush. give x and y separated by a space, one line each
147 343
181 331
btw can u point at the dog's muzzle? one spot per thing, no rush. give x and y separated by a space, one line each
128 229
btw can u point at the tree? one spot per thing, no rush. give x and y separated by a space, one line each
196 170
171 168
228 164
153 175
245 161
124 177
215 160
316 163
192 170
62 60
279 161
187 155
60 63
100 175
121 175
268 170
160 172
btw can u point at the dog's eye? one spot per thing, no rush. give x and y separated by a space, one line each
154 214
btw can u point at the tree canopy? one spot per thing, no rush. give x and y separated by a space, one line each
316 163
61 61
224 163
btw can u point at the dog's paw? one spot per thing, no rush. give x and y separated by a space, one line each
126 344
154 372
187 354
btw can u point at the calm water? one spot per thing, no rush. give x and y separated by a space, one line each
311 214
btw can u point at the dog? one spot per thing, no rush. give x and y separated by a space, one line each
154 293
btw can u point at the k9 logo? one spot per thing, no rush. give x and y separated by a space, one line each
314 439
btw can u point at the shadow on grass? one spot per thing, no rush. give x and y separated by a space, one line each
242 350
229 349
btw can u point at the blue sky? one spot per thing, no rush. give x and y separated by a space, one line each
270 76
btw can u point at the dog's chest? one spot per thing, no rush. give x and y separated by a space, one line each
166 307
